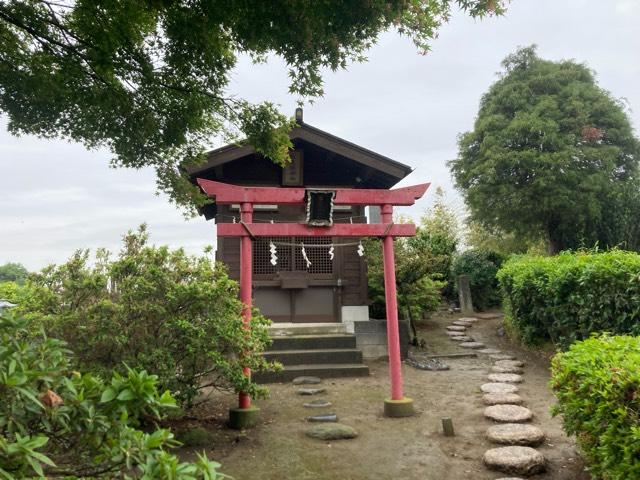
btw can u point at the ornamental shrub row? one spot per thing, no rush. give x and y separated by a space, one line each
597 383
568 297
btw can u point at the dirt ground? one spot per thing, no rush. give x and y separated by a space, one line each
409 448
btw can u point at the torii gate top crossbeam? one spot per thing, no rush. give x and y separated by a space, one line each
225 194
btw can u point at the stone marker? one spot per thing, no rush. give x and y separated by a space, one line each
501 398
331 431
502 356
508 369
474 345
508 413
317 404
515 434
462 338
310 391
498 388
447 427
324 417
519 460
464 295
306 380
509 363
505 377
490 351
456 328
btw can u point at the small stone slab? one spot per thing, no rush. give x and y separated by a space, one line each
323 418
490 351
505 377
317 404
508 413
501 398
498 388
456 328
455 334
462 323
509 363
310 391
519 460
468 319
502 356
306 381
515 434
510 478
489 315
474 345
432 364
508 369
331 431
462 338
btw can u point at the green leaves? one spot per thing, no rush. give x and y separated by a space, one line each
597 385
550 155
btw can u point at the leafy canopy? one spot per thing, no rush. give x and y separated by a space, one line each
13 272
549 150
148 79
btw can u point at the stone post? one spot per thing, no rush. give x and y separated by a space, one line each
464 295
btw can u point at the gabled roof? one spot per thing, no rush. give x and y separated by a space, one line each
314 136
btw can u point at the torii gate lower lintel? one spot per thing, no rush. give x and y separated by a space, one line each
397 405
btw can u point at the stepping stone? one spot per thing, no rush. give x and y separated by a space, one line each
505 377
317 404
509 363
519 460
489 351
499 388
508 413
510 478
515 434
462 338
508 369
462 323
331 431
472 345
502 356
306 380
501 398
456 328
325 417
489 316
455 334
468 319
310 391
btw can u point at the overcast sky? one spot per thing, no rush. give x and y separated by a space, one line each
56 197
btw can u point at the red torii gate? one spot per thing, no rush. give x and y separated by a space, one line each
226 194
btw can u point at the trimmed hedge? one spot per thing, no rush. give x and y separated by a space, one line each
481 266
597 383
572 295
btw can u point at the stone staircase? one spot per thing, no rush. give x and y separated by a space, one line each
322 350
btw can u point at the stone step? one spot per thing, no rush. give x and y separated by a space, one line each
315 356
312 342
323 371
290 329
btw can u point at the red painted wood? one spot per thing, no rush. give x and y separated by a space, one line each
226 193
303 230
246 272
393 334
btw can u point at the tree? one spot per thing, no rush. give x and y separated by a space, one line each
174 315
148 80
549 150
13 272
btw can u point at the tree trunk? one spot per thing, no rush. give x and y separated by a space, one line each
553 244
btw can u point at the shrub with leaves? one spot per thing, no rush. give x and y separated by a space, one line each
174 315
481 267
55 422
596 382
572 295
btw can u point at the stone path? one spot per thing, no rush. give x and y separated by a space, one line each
511 429
325 424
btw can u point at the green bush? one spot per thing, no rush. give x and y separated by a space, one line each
567 297
597 384
174 315
55 422
481 267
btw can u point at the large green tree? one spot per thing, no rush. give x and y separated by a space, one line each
148 79
551 154
13 272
